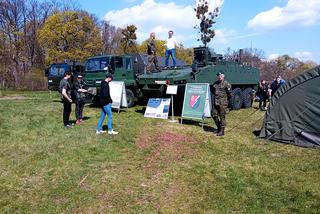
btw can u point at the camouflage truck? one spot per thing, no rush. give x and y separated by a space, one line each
56 70
244 79
123 68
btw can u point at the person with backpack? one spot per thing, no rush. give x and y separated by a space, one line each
65 90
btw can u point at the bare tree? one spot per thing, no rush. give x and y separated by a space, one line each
207 20
111 37
19 22
128 39
12 22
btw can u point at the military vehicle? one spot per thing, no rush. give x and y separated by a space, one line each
131 70
56 70
244 79
125 68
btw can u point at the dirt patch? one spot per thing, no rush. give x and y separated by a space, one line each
164 139
166 148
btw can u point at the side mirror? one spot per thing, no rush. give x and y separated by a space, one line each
110 70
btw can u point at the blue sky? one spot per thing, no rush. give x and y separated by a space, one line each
275 26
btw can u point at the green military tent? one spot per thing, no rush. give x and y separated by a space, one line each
293 116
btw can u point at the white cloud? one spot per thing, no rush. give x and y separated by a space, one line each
154 16
223 36
304 55
295 12
273 56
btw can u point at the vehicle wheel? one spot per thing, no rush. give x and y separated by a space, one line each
130 98
236 99
247 98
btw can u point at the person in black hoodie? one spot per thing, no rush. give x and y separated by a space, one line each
106 102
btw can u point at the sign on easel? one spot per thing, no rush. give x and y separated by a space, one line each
118 94
197 101
172 89
157 108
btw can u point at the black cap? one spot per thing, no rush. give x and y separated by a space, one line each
108 75
219 73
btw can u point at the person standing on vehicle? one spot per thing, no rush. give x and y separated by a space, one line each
106 105
80 98
152 53
170 49
221 91
65 90
262 93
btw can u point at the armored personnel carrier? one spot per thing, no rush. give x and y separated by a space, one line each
244 79
131 70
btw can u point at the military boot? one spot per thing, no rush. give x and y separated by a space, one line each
217 122
221 132
216 131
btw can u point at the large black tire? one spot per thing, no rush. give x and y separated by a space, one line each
247 98
130 98
236 99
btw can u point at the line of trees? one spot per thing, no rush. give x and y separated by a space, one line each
35 33
21 55
286 66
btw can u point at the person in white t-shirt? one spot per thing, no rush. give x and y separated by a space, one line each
171 45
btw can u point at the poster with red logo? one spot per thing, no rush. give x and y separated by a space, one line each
197 101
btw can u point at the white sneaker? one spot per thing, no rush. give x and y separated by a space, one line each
113 132
100 131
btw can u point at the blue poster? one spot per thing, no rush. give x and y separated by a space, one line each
158 108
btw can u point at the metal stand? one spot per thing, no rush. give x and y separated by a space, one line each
172 117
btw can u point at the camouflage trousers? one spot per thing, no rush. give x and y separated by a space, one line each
152 60
219 116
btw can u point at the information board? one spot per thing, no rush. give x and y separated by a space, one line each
118 94
157 108
172 89
197 101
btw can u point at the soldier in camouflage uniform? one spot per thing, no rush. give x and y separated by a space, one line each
221 91
152 56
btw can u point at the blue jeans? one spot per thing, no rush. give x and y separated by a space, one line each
170 52
106 110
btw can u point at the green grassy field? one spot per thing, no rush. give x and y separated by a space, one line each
152 166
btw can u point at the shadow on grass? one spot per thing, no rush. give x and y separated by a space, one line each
141 110
256 132
206 127
57 101
86 118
